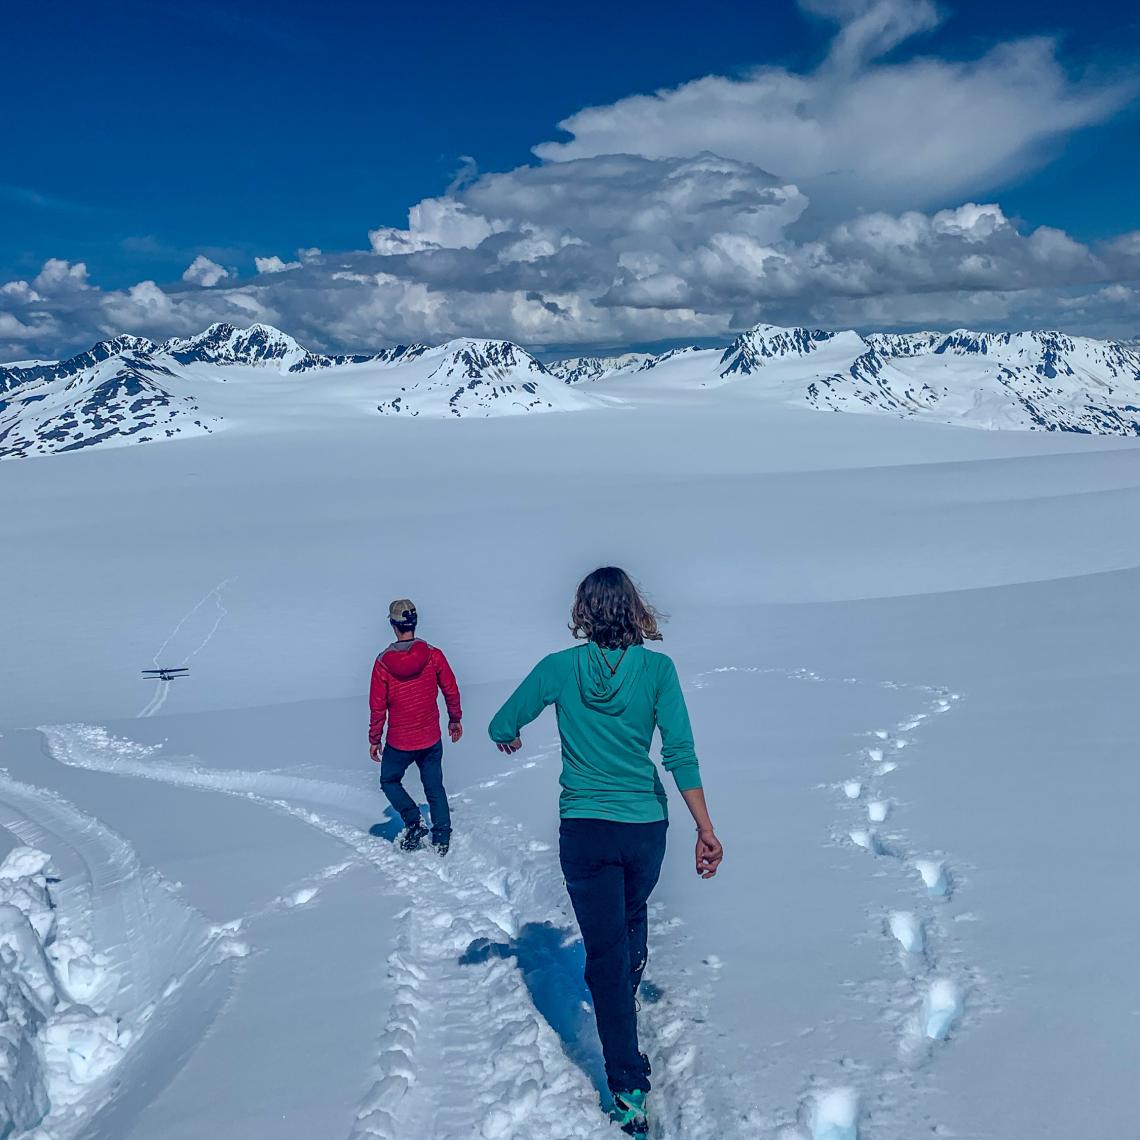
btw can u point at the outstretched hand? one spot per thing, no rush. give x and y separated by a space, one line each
374 752
513 746
709 854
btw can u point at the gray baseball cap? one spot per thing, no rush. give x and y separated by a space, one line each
402 611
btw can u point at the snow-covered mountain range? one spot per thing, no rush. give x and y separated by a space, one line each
130 389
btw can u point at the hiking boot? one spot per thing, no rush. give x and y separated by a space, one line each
413 837
441 844
628 1113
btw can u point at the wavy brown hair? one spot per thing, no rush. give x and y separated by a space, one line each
609 610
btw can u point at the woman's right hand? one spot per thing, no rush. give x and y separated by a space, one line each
513 746
709 853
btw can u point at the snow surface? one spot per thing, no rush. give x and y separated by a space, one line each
236 949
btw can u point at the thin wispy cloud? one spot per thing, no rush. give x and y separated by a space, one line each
34 199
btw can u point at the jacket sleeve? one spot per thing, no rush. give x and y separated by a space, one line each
377 703
678 755
449 687
539 689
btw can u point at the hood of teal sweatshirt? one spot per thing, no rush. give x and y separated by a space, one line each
604 688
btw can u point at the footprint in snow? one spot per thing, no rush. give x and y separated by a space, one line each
941 1008
935 876
302 897
878 810
833 1114
907 930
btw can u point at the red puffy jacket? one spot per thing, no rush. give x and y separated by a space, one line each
406 680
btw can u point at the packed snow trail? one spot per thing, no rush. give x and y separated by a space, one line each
162 687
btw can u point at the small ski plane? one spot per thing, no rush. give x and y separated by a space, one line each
165 674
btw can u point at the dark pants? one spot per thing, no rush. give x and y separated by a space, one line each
611 869
394 762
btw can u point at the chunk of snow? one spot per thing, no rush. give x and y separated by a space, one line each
49 1048
79 1048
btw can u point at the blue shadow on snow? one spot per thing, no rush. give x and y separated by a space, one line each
389 827
551 961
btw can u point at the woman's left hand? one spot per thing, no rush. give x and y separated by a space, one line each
513 746
709 854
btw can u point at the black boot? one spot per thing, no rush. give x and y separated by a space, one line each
413 837
441 841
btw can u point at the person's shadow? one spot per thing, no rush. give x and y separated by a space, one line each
389 827
551 960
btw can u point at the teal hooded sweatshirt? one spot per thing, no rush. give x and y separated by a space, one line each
608 704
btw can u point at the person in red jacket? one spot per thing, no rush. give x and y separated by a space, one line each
406 681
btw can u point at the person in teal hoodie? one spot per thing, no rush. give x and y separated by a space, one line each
610 694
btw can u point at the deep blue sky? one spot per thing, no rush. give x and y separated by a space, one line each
139 135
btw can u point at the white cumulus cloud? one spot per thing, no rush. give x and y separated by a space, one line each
202 271
859 132
274 264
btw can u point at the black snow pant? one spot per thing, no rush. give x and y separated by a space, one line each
611 869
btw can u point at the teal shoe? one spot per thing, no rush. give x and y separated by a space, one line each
629 1113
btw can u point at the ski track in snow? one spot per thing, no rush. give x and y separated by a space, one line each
162 688
488 1034
928 1006
162 962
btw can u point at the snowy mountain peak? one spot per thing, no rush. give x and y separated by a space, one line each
485 359
764 343
470 377
579 369
224 344
14 376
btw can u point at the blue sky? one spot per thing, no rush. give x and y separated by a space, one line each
148 136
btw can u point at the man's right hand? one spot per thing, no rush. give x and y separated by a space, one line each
513 746
374 752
